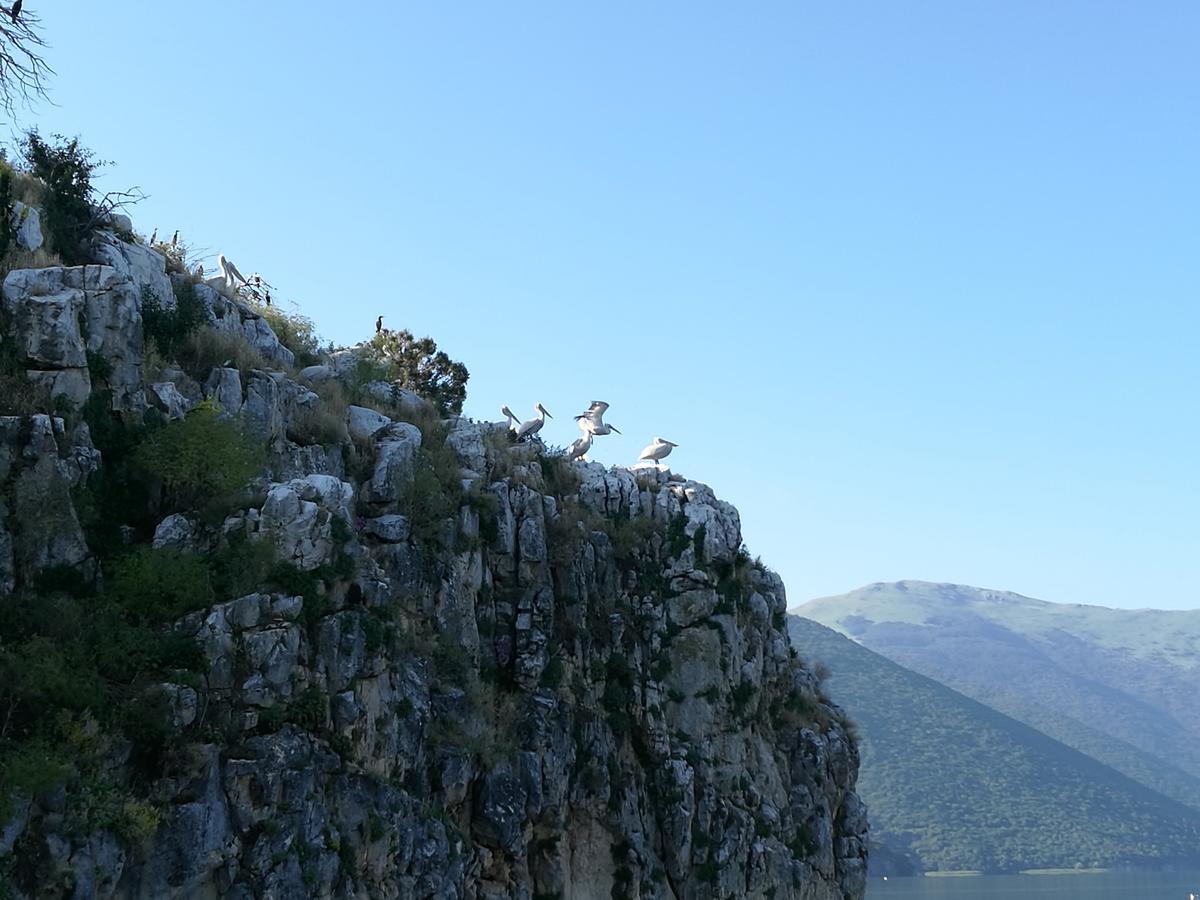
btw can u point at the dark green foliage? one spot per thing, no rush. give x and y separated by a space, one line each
677 539
67 170
373 633
487 506
6 202
552 675
201 458
802 844
560 478
296 332
451 663
18 395
160 585
240 567
66 658
167 328
741 696
618 697
377 830
307 711
418 365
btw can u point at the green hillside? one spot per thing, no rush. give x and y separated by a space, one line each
1116 684
958 785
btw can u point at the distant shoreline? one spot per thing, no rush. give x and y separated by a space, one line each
974 873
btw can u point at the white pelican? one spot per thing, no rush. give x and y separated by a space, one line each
533 426
513 421
657 451
591 420
579 447
233 278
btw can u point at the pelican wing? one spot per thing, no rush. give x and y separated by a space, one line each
533 426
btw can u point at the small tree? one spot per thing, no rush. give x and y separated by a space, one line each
67 170
71 207
418 365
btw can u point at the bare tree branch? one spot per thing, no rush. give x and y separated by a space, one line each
23 71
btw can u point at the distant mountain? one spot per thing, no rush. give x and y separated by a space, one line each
1122 686
953 784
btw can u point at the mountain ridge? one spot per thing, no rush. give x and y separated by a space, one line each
1118 685
954 784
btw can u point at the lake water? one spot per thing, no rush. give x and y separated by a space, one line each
1106 886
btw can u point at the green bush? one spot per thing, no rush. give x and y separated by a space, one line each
160 585
201 458
296 332
168 328
67 170
418 365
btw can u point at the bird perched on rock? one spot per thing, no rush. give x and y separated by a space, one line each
16 10
513 420
657 451
533 426
175 239
579 447
379 325
591 420
153 236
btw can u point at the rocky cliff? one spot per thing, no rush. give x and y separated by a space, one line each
405 657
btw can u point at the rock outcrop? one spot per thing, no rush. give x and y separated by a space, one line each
507 677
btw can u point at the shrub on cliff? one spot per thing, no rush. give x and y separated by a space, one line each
168 328
296 332
67 169
201 458
418 365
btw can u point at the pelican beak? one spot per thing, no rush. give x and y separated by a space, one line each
548 414
615 428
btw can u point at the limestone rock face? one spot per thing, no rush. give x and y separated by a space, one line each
460 671
236 317
137 264
395 457
40 464
61 314
298 517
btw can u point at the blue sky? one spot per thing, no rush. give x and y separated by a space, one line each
914 285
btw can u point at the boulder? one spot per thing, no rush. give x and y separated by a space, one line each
298 517
391 529
176 532
166 397
395 456
27 226
224 389
466 440
364 424
316 374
